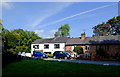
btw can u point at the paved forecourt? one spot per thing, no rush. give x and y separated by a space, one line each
114 63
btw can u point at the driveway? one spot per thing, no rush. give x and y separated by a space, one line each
114 63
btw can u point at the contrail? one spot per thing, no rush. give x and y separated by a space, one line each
75 15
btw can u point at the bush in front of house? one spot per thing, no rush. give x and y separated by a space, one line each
78 50
8 57
50 55
42 51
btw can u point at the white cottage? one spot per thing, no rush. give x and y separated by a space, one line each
49 45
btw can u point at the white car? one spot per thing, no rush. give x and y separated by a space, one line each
23 54
28 54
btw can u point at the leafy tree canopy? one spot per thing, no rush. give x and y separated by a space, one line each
111 27
63 31
78 49
18 40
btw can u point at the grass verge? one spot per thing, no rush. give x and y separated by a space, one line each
52 68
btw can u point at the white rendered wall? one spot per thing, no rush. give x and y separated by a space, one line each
51 47
73 48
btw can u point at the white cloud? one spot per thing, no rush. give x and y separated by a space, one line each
61 0
38 21
48 37
54 22
53 31
56 8
39 31
6 5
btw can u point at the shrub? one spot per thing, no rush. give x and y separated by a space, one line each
8 57
11 50
42 51
50 55
78 49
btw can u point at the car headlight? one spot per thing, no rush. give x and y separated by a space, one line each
67 55
43 55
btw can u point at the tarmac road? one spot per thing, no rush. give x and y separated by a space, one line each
113 63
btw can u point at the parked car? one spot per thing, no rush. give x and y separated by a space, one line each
39 55
19 56
23 55
72 54
61 54
28 55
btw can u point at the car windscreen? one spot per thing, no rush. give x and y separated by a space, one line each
37 52
62 52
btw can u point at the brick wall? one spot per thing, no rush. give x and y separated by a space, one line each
111 49
83 48
70 48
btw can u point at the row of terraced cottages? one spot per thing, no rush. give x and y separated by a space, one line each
89 44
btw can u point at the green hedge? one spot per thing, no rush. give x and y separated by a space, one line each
50 55
41 51
78 49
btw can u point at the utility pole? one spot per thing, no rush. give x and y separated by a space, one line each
1 43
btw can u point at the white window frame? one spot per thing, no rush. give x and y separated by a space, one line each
57 48
46 44
35 46
88 47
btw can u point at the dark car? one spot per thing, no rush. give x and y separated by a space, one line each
39 55
61 54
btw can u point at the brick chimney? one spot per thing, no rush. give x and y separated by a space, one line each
55 36
82 35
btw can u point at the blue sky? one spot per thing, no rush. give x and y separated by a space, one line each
46 17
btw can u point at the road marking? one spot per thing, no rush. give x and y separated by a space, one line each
106 64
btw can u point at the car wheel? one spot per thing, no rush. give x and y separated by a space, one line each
65 58
33 57
38 58
41 57
54 57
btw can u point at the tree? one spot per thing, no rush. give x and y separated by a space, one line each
78 49
13 38
63 31
0 26
111 27
102 29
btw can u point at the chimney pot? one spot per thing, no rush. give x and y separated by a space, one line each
55 35
82 35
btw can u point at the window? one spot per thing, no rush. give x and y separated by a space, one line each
47 52
46 46
37 52
61 53
56 46
87 47
36 46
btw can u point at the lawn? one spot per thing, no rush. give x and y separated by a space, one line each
52 68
